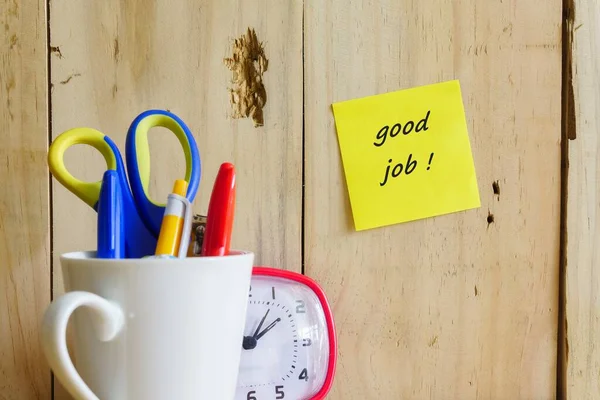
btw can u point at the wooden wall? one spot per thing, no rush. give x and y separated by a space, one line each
453 307
25 275
462 306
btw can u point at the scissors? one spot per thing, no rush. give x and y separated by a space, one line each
141 216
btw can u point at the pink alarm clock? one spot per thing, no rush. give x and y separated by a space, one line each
289 348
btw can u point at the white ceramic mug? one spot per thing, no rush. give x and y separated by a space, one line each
150 329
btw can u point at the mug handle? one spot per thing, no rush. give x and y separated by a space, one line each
108 320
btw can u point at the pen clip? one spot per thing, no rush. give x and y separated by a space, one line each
187 225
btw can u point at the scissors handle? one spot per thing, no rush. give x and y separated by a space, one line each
89 192
137 153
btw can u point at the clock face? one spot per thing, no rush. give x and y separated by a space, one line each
286 347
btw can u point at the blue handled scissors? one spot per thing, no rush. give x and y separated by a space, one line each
141 216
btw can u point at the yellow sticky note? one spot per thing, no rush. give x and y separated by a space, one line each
406 155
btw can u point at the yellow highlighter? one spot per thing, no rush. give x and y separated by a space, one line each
174 236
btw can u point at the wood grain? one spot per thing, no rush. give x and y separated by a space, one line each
24 200
452 307
583 210
115 59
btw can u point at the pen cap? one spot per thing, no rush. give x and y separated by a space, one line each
219 223
110 235
180 187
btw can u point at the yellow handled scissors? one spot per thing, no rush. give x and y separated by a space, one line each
142 216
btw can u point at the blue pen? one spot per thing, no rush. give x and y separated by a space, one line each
111 238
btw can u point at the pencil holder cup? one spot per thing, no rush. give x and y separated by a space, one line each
149 329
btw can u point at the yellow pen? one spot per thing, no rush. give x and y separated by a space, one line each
173 238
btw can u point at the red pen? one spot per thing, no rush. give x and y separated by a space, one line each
219 220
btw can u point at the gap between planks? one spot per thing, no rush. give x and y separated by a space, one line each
568 132
50 183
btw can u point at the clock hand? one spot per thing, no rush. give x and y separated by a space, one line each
268 328
262 321
249 342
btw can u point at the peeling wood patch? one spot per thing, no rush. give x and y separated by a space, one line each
248 63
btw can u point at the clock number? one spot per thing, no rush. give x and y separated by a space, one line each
306 342
251 395
279 392
304 375
250 295
300 308
273 292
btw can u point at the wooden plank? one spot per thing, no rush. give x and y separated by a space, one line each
115 59
24 200
460 306
582 310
